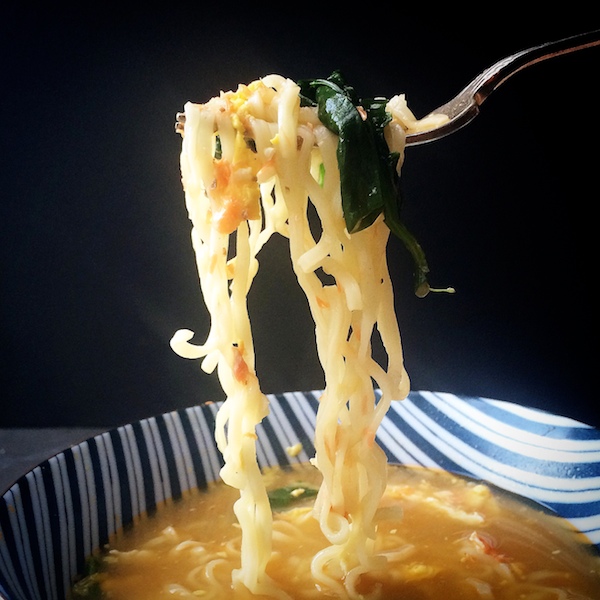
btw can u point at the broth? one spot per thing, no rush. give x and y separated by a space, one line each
444 536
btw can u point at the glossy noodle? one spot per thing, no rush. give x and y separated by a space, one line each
269 164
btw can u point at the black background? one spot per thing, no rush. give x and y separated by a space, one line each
97 267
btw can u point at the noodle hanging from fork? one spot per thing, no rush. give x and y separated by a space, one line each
252 160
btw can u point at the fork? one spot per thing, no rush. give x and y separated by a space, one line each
464 107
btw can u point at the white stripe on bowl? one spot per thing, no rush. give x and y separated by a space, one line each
19 529
178 450
160 476
187 464
401 447
42 526
134 468
521 441
541 487
92 506
65 499
538 416
202 434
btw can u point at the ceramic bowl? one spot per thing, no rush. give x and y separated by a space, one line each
57 514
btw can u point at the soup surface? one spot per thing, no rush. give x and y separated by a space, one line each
442 536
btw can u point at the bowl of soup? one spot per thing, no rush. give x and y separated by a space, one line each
485 499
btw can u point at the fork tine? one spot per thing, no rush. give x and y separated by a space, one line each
180 123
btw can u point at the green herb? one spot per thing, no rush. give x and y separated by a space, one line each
284 496
369 180
88 587
321 175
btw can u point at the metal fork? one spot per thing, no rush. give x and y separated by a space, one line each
464 107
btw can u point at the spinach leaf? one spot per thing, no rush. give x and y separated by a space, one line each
88 587
284 496
364 177
369 180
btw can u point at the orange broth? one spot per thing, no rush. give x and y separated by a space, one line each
444 536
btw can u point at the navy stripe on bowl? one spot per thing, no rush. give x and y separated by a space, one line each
56 515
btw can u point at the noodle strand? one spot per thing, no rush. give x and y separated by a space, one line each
282 169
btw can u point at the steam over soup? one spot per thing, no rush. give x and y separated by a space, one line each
437 536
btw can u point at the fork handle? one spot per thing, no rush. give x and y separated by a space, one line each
499 72
464 107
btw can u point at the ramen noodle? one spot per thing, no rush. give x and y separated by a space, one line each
252 161
440 535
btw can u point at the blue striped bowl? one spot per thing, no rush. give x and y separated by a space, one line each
53 517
